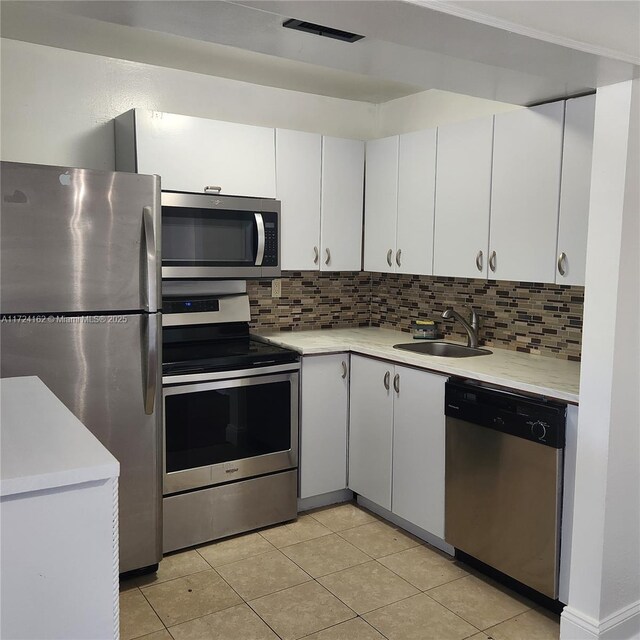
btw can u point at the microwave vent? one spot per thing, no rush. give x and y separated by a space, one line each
320 30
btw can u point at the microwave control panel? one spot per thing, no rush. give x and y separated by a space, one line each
270 239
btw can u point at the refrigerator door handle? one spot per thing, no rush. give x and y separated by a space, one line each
150 370
150 251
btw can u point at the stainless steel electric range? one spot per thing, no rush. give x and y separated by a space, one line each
230 420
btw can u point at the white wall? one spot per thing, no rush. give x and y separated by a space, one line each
57 105
604 589
430 109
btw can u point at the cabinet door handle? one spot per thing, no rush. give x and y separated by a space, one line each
389 257
479 260
562 258
344 369
396 383
328 258
316 255
386 379
212 188
398 254
492 261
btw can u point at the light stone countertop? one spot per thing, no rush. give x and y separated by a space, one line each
541 375
43 444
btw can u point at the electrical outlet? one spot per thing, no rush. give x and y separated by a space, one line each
276 288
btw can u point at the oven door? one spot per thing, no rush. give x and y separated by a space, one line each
225 430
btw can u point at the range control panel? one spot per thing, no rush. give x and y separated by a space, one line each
190 305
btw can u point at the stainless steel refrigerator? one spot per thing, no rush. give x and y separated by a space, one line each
79 291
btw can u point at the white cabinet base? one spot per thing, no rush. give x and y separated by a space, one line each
60 563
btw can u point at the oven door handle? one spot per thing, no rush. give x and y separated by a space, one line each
150 371
261 239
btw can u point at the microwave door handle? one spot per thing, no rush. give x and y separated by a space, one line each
261 239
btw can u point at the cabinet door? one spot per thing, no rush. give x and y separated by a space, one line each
371 429
381 201
416 190
298 161
525 193
341 209
323 424
419 449
463 198
575 190
191 153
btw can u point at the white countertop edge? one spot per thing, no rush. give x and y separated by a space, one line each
44 445
56 480
342 344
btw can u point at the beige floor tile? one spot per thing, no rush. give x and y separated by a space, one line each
304 528
379 539
423 567
137 618
301 610
419 618
367 586
356 629
481 635
531 625
174 566
343 516
324 555
263 574
480 602
236 623
190 597
157 635
234 549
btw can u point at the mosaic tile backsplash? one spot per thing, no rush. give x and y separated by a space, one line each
522 316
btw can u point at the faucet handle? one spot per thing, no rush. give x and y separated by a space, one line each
474 319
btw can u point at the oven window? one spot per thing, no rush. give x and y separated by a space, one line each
223 425
199 237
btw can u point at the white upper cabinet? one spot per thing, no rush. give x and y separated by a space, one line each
525 193
341 204
381 198
416 189
191 154
399 200
575 190
298 180
463 199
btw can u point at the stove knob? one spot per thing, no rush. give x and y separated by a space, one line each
539 429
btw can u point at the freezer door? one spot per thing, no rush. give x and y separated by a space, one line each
76 240
106 370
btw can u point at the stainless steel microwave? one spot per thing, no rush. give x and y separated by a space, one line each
213 236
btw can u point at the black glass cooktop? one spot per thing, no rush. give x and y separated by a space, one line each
202 348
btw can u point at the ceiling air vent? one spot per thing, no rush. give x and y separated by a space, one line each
319 30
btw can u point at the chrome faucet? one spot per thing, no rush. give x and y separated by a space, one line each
471 329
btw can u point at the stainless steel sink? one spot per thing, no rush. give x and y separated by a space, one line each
442 349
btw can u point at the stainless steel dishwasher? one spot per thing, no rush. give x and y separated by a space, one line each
504 460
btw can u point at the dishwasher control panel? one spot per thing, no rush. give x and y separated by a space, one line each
535 419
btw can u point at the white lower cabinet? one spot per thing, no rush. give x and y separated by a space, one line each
323 424
371 429
396 440
419 449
